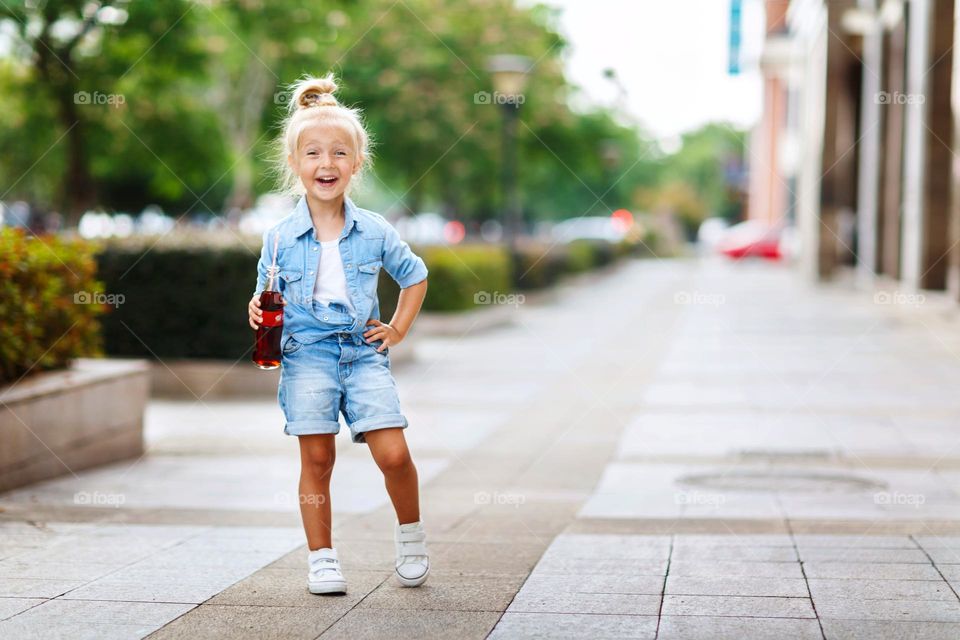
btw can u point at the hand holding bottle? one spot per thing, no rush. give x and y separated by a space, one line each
255 313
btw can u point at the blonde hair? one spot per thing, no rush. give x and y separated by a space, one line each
312 102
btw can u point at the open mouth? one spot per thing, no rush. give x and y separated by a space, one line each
327 182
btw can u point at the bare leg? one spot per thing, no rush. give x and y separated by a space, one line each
317 455
389 449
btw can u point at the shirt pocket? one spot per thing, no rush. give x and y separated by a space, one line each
368 275
292 284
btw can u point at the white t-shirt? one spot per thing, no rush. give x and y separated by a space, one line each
331 285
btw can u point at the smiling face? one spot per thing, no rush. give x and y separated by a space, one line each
326 160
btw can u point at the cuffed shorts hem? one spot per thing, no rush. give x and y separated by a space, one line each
311 427
386 421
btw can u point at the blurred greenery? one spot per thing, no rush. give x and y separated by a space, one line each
50 302
119 104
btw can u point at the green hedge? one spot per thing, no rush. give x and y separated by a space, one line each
49 303
186 299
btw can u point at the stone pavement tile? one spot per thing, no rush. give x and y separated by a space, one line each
804 540
734 539
928 542
615 603
871 571
169 591
626 553
889 630
737 586
733 553
36 587
288 588
481 558
737 606
545 584
574 626
90 619
950 571
829 589
914 610
723 568
713 628
841 554
250 623
14 568
563 565
364 624
447 592
12 606
944 555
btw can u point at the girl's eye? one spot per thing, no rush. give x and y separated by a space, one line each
341 153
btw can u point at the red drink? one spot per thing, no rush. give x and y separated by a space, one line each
266 350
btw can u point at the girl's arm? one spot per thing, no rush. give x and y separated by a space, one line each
408 306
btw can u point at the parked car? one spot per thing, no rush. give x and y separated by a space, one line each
752 239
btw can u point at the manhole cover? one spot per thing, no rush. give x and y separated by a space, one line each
781 481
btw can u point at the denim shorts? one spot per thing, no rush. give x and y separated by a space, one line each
338 374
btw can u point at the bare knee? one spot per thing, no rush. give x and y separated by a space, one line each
394 460
318 461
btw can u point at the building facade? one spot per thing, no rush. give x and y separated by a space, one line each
870 173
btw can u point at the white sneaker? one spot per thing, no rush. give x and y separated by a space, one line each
413 564
325 575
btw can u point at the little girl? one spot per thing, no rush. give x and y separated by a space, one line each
335 350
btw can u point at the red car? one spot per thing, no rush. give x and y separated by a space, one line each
752 239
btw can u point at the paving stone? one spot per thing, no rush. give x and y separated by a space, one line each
735 554
574 626
944 555
288 588
36 587
868 570
915 610
835 554
715 628
12 606
564 565
447 592
613 603
736 586
90 619
889 630
735 540
250 623
699 568
830 589
540 584
737 606
854 541
363 624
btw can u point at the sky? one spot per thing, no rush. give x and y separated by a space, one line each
671 57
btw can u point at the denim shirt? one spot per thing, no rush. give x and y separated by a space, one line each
367 243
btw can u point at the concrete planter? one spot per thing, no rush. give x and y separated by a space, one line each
57 422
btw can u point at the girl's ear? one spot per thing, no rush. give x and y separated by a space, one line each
291 162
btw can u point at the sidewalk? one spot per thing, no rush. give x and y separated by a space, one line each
673 450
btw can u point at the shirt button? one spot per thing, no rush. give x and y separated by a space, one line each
326 317
314 248
349 266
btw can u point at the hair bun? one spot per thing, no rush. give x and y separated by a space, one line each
314 92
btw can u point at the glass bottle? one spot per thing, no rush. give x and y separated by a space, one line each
266 349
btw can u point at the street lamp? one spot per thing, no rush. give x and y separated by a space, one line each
509 73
